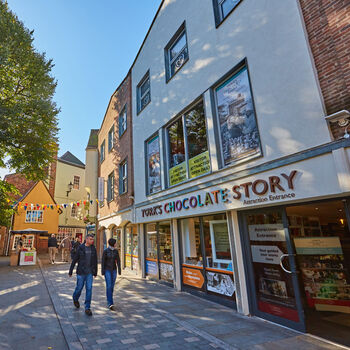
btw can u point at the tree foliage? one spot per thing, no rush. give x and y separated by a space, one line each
28 115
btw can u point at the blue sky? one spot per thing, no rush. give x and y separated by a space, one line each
92 44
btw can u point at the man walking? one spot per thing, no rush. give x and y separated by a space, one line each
52 244
66 247
86 257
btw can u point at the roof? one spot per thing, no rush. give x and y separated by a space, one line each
20 182
28 231
93 139
71 159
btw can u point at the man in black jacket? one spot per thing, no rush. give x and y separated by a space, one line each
52 244
86 257
110 262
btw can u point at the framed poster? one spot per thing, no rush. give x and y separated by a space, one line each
236 118
220 241
153 163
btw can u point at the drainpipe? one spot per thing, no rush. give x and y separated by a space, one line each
9 236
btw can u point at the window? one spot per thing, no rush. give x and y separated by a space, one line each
143 93
76 182
111 139
222 8
176 52
74 211
188 148
27 241
123 177
122 122
237 124
153 165
102 152
110 187
35 216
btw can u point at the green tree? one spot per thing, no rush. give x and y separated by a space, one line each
28 115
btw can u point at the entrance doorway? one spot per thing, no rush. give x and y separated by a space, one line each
321 239
298 259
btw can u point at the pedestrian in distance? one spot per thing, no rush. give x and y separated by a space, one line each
75 245
52 244
66 247
110 263
86 257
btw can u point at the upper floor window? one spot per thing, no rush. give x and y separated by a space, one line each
222 8
110 187
76 182
111 139
123 177
143 93
188 147
239 134
74 211
35 216
122 121
176 52
153 162
102 152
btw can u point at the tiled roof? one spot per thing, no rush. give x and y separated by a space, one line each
71 159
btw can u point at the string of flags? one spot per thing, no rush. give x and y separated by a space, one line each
37 206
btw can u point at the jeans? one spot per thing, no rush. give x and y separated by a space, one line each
110 277
81 280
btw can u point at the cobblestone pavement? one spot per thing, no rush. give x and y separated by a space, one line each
153 316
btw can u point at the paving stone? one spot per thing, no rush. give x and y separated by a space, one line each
136 331
192 339
151 346
112 331
103 341
168 334
128 341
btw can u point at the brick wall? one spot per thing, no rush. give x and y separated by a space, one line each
328 28
122 148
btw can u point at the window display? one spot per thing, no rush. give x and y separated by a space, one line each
151 241
191 244
153 161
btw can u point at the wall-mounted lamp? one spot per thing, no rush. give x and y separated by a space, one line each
70 187
346 134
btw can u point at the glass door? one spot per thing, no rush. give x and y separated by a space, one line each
273 279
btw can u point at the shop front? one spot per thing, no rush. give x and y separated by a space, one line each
131 248
298 258
206 263
159 251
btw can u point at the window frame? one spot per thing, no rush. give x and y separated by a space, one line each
102 151
111 139
123 112
182 116
36 221
138 92
168 61
110 187
75 207
218 13
160 141
123 179
74 178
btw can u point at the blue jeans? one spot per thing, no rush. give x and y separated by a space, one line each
110 277
81 280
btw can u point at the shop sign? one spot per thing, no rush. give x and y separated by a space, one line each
199 165
177 174
267 190
193 277
151 268
266 254
267 232
318 245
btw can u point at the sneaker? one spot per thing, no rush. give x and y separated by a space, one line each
111 307
88 312
76 304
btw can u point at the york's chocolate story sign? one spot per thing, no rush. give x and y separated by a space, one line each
277 187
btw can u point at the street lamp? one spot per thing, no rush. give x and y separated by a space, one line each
70 187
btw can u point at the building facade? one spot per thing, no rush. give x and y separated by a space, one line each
71 194
241 160
116 178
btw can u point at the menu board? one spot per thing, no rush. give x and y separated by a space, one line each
324 273
274 287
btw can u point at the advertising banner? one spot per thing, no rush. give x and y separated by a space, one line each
153 156
166 271
151 268
192 277
177 174
199 165
220 283
238 127
27 258
101 189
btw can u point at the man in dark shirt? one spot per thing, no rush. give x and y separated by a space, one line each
86 257
52 244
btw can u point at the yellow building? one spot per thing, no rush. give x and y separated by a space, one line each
37 217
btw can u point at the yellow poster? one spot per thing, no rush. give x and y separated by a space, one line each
199 165
177 174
